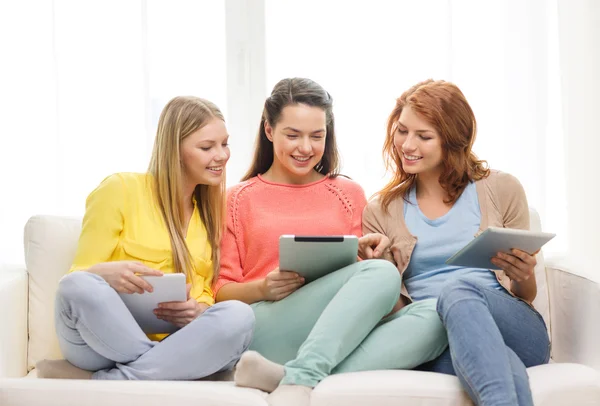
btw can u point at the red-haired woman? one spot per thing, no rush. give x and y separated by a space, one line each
440 197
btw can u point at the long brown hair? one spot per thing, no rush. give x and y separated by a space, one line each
286 93
444 106
181 117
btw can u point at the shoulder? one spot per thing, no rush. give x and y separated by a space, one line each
239 196
502 180
375 207
120 185
347 186
127 180
248 186
503 185
346 183
508 196
111 185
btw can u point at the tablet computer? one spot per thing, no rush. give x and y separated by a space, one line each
479 252
315 256
167 288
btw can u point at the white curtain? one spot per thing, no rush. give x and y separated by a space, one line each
579 34
82 84
502 54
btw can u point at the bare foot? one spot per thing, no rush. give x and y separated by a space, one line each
255 371
60 369
290 395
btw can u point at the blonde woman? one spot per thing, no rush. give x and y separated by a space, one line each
167 220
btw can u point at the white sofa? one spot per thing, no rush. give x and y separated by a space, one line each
569 303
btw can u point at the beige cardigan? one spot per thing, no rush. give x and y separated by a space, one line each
502 202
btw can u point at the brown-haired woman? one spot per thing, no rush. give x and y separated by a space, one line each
441 196
336 323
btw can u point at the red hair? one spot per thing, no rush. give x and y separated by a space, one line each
443 106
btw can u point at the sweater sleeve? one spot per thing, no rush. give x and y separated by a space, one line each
513 202
360 201
231 265
102 224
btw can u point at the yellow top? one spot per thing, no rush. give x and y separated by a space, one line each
122 222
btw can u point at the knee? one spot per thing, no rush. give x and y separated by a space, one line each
455 291
237 320
386 274
77 287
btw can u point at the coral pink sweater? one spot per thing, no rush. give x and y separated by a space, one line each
259 212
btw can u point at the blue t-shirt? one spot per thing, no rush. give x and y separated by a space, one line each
438 240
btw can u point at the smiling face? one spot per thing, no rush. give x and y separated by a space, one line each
418 144
298 140
204 154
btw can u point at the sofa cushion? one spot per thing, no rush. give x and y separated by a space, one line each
551 385
58 392
50 244
542 300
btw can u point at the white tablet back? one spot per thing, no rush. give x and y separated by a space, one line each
167 288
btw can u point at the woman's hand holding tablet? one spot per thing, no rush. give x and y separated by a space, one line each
280 284
479 252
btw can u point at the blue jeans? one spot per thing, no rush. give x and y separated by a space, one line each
493 338
96 332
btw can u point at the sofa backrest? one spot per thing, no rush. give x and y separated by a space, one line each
50 244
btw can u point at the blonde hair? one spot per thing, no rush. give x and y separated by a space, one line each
181 117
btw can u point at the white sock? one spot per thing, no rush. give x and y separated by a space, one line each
255 371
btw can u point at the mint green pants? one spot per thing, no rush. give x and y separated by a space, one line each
335 324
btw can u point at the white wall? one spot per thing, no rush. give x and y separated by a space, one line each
579 34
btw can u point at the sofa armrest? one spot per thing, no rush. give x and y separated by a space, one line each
574 313
13 321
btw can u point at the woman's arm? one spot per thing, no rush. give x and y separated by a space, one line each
526 289
230 283
247 292
371 224
102 224
515 210
276 286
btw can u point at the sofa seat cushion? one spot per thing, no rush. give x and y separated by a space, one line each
59 392
552 385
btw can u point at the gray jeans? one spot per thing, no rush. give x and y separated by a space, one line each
97 332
